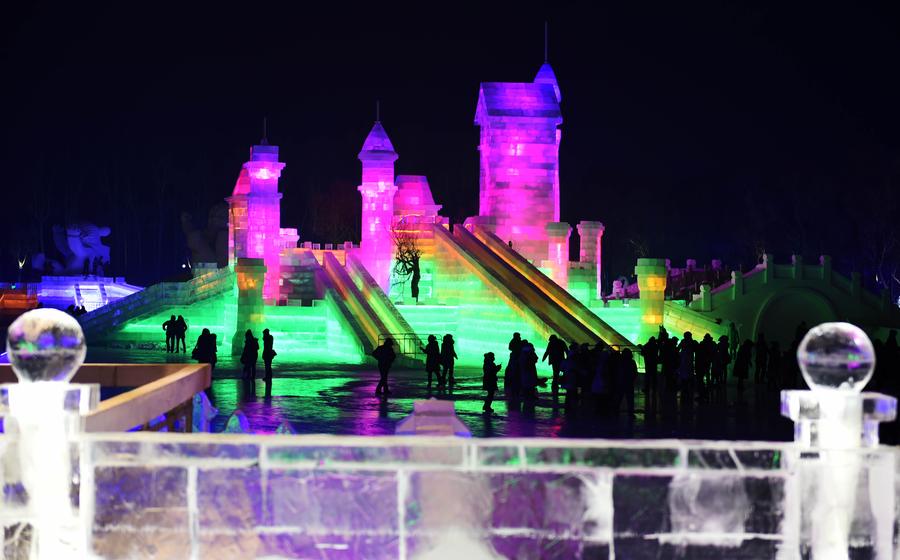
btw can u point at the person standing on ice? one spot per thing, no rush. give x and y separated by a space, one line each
384 355
448 356
432 359
248 357
267 356
489 381
170 327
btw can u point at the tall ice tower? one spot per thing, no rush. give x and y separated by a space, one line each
519 179
377 190
254 216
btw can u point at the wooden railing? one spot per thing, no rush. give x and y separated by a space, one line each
158 389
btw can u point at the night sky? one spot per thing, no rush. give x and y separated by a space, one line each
692 130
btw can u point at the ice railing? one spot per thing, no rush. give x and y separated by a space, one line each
830 494
241 496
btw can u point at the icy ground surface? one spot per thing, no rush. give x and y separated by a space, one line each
341 401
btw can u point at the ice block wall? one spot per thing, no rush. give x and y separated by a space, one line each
203 496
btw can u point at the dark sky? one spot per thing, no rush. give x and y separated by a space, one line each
691 129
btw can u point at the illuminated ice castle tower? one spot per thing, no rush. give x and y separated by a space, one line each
255 214
377 190
519 180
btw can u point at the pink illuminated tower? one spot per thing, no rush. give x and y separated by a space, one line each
254 216
377 190
519 179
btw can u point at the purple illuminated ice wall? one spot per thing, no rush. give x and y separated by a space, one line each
255 214
519 183
376 247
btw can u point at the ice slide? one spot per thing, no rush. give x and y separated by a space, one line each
365 305
524 293
554 291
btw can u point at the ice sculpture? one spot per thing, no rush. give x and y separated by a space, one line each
46 347
433 418
78 243
837 421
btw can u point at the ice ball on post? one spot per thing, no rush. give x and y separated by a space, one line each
45 345
836 356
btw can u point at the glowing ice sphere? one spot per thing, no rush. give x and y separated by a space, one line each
836 356
45 345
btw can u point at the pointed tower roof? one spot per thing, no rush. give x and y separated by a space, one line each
377 142
546 76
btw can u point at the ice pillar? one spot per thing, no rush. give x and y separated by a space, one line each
377 189
590 235
558 234
651 277
251 276
254 216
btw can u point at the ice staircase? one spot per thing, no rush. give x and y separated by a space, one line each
101 323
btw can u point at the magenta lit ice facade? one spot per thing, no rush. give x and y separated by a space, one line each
413 202
519 151
255 215
376 248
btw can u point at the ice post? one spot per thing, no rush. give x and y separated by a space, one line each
835 424
46 347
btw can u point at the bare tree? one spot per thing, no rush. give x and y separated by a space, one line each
407 256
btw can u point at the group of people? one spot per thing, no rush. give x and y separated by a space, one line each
76 311
250 355
439 361
176 332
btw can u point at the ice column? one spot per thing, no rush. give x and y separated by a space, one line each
651 277
558 234
251 275
590 235
46 347
843 483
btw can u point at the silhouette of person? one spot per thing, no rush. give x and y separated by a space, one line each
432 359
267 356
734 339
489 380
511 375
650 353
720 361
213 350
528 370
384 355
416 277
201 348
180 334
742 363
627 374
170 327
556 352
448 356
762 359
249 355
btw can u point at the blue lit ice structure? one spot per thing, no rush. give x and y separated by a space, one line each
432 418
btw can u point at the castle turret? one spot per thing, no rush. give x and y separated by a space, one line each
377 190
519 179
255 214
